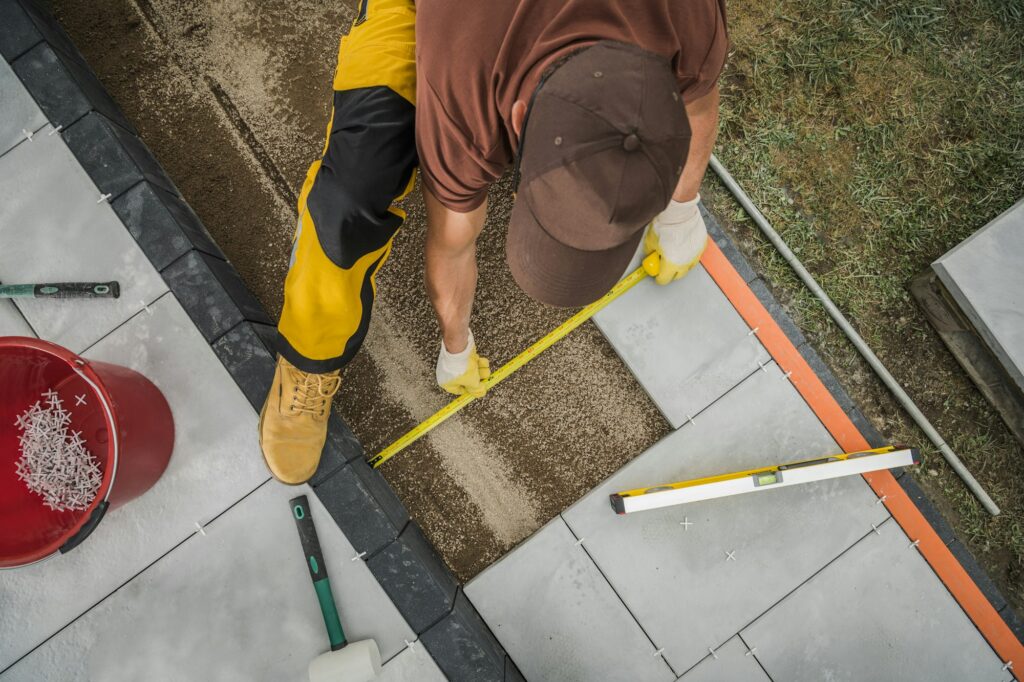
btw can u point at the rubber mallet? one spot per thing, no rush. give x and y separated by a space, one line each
346 661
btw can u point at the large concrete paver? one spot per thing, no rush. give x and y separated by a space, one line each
731 662
557 616
233 604
53 228
413 665
878 612
216 462
678 579
19 114
985 276
685 343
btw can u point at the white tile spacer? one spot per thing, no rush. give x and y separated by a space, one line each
875 528
686 523
411 646
730 556
915 543
660 651
103 197
79 400
145 306
751 652
1008 666
200 528
753 331
788 375
763 366
713 653
28 135
55 130
882 499
690 419
579 542
359 556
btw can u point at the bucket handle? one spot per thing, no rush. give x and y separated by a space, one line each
86 529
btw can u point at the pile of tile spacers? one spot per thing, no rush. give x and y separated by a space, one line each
55 463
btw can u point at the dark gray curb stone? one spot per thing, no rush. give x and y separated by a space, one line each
415 578
246 353
369 524
63 88
212 294
463 647
163 225
23 25
114 158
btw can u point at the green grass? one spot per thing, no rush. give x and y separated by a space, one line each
876 135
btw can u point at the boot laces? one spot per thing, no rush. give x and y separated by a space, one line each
313 392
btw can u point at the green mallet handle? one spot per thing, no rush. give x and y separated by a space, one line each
317 570
62 290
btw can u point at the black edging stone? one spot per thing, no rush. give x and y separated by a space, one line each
162 224
463 646
512 673
415 578
1013 621
63 88
114 158
23 25
245 352
369 523
212 294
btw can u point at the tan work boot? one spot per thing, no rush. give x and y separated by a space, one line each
293 422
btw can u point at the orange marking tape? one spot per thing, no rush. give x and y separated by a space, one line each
939 557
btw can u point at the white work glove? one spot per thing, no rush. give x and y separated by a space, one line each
677 237
464 372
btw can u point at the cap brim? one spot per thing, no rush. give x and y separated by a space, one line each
556 274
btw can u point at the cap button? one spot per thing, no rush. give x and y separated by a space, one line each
631 142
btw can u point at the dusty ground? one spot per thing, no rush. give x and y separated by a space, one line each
233 98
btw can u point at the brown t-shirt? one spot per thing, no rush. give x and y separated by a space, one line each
475 58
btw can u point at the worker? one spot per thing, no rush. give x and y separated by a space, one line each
605 110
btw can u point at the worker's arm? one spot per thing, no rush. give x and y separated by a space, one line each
451 283
703 115
678 234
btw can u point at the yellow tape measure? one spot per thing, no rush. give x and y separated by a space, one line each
649 267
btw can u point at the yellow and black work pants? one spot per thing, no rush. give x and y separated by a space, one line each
347 218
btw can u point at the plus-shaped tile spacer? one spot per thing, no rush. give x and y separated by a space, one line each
686 523
730 556
359 556
751 652
713 653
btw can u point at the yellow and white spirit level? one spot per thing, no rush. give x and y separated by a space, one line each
765 478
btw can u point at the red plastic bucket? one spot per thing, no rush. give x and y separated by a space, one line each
123 418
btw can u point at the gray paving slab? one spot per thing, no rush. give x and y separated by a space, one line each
876 613
558 617
12 323
730 662
216 461
984 274
18 111
685 343
678 579
54 229
236 603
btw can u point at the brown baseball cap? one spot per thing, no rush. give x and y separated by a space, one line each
599 156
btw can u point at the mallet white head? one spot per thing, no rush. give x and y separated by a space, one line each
357 662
